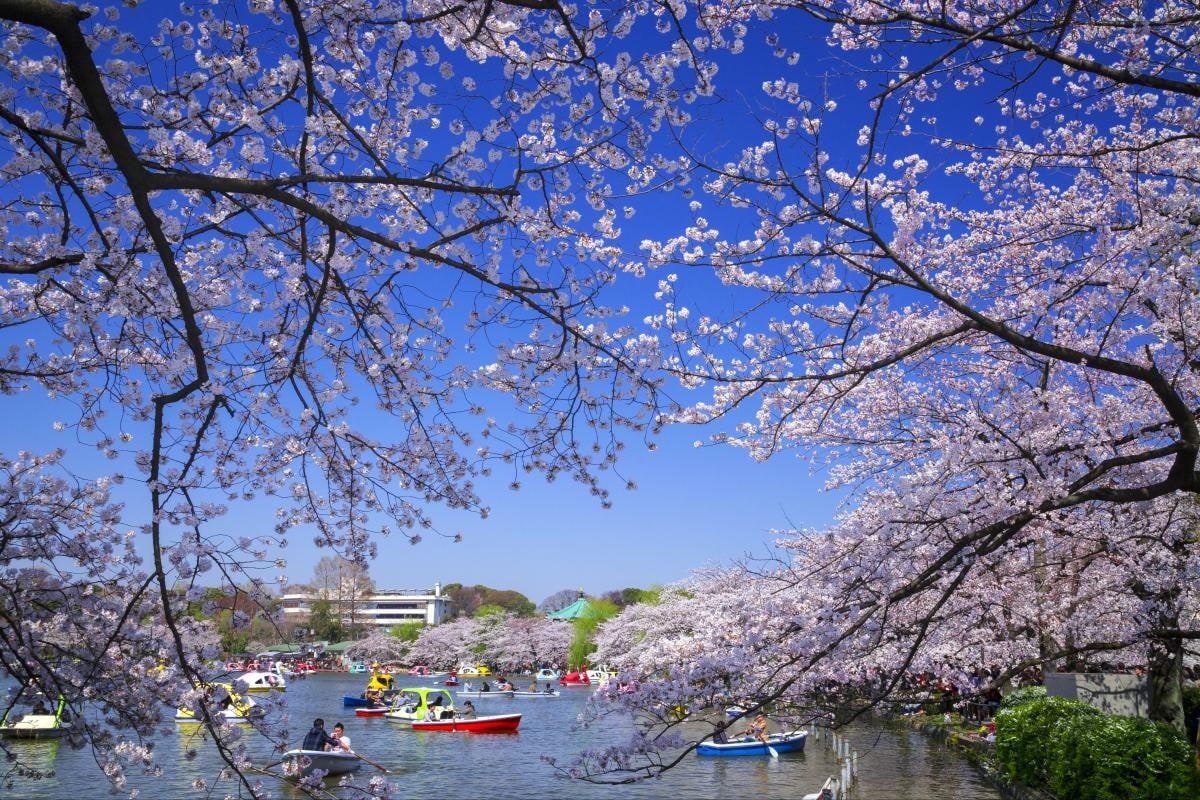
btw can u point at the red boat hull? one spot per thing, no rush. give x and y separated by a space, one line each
370 712
497 723
575 679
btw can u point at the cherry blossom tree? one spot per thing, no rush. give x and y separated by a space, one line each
501 640
444 646
967 284
346 258
378 645
529 642
340 259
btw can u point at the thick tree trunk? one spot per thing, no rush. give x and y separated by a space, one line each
1164 661
1164 669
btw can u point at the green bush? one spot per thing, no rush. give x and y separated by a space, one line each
1122 758
1076 752
1027 736
1022 696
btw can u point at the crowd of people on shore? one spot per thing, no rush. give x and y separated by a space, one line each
977 694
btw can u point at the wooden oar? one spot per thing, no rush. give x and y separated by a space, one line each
379 767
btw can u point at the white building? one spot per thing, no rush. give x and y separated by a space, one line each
384 607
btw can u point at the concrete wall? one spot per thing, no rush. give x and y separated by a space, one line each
1112 693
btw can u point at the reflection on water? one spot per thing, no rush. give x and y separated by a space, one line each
37 758
893 764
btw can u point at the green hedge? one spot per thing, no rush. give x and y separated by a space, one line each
1076 752
1028 735
1022 696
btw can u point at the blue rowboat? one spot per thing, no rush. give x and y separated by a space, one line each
788 742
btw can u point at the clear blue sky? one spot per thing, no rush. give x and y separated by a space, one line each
692 507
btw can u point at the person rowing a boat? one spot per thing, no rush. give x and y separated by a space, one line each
757 728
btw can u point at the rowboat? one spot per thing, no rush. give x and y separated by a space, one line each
333 762
535 695
493 694
31 717
494 723
786 742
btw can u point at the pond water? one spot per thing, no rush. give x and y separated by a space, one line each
892 763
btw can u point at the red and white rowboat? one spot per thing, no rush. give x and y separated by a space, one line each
494 723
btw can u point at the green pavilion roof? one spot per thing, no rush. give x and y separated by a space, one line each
580 608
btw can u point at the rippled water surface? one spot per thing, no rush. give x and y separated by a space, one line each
892 765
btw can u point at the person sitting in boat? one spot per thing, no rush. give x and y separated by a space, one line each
532 686
468 710
506 685
757 728
435 708
40 707
487 687
318 737
343 741
468 687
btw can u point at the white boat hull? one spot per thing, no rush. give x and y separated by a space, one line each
303 762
